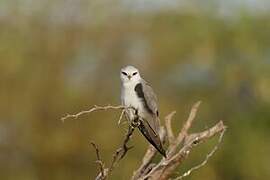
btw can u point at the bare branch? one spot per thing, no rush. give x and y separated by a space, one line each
189 122
208 156
168 125
115 160
125 147
178 149
184 130
117 156
166 168
95 108
120 152
102 174
219 127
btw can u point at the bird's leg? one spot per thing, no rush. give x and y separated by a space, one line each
136 121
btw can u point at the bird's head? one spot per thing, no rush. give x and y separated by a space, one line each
129 74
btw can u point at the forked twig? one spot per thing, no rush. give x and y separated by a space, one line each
204 162
117 156
180 148
102 174
120 152
183 133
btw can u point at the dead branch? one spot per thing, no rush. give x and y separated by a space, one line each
167 168
118 155
182 134
120 152
102 175
125 147
168 125
96 108
204 162
178 147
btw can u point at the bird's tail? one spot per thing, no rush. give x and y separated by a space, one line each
151 136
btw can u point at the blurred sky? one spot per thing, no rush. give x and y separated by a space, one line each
85 12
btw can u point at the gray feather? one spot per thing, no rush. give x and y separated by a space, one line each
146 93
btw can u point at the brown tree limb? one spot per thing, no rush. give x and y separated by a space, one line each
181 147
117 156
178 147
125 147
170 165
204 162
120 152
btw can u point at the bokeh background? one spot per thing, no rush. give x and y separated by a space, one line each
63 56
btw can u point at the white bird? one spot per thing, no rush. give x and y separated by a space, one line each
136 93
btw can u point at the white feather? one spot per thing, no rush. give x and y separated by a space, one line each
129 96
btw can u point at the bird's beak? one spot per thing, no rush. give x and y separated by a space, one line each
129 77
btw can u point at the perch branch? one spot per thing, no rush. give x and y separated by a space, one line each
120 152
180 147
97 108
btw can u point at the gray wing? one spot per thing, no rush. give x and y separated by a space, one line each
150 98
150 127
146 93
151 136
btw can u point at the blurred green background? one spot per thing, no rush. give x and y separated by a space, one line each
63 56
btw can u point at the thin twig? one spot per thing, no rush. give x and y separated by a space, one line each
168 125
184 130
189 122
125 147
95 108
115 160
119 153
99 162
121 116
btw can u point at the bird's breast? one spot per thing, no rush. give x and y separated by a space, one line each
130 98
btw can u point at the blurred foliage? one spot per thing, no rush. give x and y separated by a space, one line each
61 57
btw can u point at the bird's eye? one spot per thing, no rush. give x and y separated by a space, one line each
135 73
124 73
